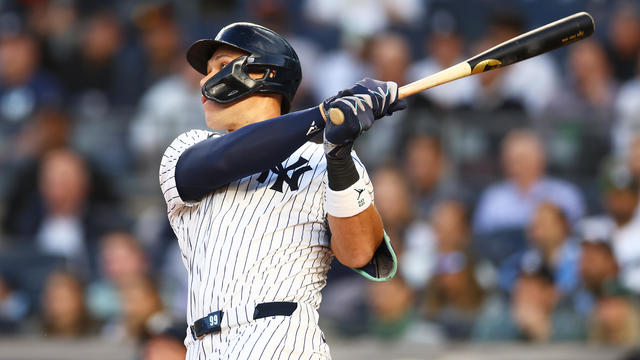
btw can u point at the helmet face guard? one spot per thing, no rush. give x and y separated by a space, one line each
232 82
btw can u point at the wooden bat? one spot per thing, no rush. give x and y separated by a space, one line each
535 42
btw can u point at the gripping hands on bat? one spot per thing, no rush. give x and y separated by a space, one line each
359 106
368 100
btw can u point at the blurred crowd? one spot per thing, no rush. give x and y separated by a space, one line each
511 197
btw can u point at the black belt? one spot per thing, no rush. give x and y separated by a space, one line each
211 323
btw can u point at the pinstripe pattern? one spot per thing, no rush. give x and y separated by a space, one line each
245 244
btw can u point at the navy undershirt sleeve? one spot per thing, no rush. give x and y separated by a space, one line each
215 162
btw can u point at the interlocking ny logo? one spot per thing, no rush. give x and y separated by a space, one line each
283 174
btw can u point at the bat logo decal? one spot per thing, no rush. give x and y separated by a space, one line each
573 38
486 65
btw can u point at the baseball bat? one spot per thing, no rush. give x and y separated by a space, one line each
535 42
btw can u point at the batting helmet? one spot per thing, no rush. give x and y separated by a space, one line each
268 53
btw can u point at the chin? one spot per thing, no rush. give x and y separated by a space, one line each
217 121
213 114
225 116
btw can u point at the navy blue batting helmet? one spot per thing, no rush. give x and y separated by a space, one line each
267 53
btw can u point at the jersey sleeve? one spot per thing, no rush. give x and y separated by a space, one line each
168 167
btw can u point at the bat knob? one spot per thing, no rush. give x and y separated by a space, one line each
336 116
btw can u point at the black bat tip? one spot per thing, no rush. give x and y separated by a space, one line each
589 24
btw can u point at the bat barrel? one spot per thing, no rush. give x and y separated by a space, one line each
546 38
535 42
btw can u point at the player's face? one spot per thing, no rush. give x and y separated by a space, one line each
227 116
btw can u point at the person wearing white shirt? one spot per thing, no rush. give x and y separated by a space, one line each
510 204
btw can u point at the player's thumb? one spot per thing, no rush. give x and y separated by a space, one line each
397 105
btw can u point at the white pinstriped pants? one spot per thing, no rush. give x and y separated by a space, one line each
279 337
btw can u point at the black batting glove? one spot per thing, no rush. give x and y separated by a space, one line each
358 118
338 139
383 94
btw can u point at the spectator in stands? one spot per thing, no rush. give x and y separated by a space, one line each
56 25
615 320
395 204
413 237
445 47
589 97
104 80
121 258
161 37
394 317
64 184
535 312
169 107
550 241
388 310
454 297
627 119
143 314
599 270
633 158
624 39
64 313
95 76
491 96
48 129
364 18
337 69
14 306
64 217
621 201
532 82
614 316
165 347
388 56
454 294
24 88
510 204
429 173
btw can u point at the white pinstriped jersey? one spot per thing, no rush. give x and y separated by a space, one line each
258 239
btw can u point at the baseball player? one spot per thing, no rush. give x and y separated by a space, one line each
259 210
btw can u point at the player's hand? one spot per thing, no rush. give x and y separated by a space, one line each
358 117
384 96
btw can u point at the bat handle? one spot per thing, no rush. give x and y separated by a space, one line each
336 116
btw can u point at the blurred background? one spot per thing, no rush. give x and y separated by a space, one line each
511 197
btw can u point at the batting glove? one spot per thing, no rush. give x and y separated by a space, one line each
358 117
338 142
383 94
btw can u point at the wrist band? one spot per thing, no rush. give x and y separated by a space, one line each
341 172
348 202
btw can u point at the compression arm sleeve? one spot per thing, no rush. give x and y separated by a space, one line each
215 162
